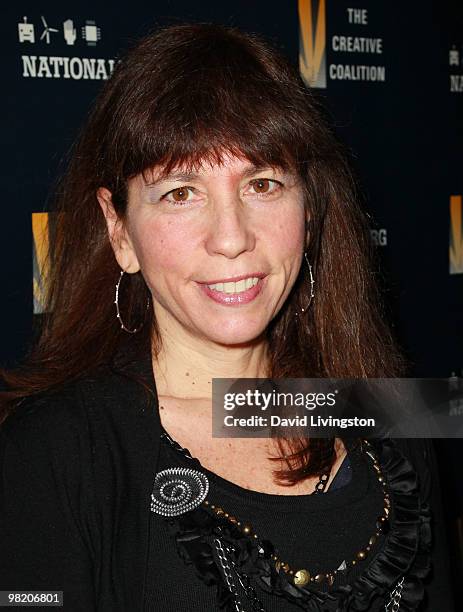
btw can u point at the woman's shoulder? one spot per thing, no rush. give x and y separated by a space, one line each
78 408
62 403
81 440
45 424
420 453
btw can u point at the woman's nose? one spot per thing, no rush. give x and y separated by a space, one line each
230 230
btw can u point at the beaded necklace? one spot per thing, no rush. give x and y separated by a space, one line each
177 485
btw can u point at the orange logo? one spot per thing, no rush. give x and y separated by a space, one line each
312 42
40 242
456 235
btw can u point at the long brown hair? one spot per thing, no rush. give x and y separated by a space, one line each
185 94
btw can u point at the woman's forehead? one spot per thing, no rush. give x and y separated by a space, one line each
228 163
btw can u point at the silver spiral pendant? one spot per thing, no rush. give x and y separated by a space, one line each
178 490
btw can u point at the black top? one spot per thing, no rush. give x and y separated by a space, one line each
77 471
283 519
315 532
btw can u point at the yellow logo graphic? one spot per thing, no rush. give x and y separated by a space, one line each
40 242
312 42
456 235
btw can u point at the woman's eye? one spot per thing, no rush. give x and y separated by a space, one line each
262 187
179 195
265 186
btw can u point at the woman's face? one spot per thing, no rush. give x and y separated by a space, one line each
186 232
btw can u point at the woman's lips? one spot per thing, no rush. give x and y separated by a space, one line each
233 299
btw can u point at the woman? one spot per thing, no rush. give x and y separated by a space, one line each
206 162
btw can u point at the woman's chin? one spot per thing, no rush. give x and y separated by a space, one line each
230 334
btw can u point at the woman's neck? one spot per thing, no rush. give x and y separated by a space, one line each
184 368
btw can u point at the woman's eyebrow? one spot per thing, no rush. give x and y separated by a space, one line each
173 176
189 176
250 170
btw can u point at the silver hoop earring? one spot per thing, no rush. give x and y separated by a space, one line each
118 314
312 283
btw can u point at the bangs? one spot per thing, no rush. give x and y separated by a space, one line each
208 97
177 160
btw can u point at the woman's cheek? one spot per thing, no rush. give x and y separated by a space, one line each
288 233
164 245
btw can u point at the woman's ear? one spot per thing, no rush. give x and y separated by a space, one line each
117 232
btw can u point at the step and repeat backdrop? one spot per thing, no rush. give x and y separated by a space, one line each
391 75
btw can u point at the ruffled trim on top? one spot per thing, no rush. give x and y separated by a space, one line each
405 552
